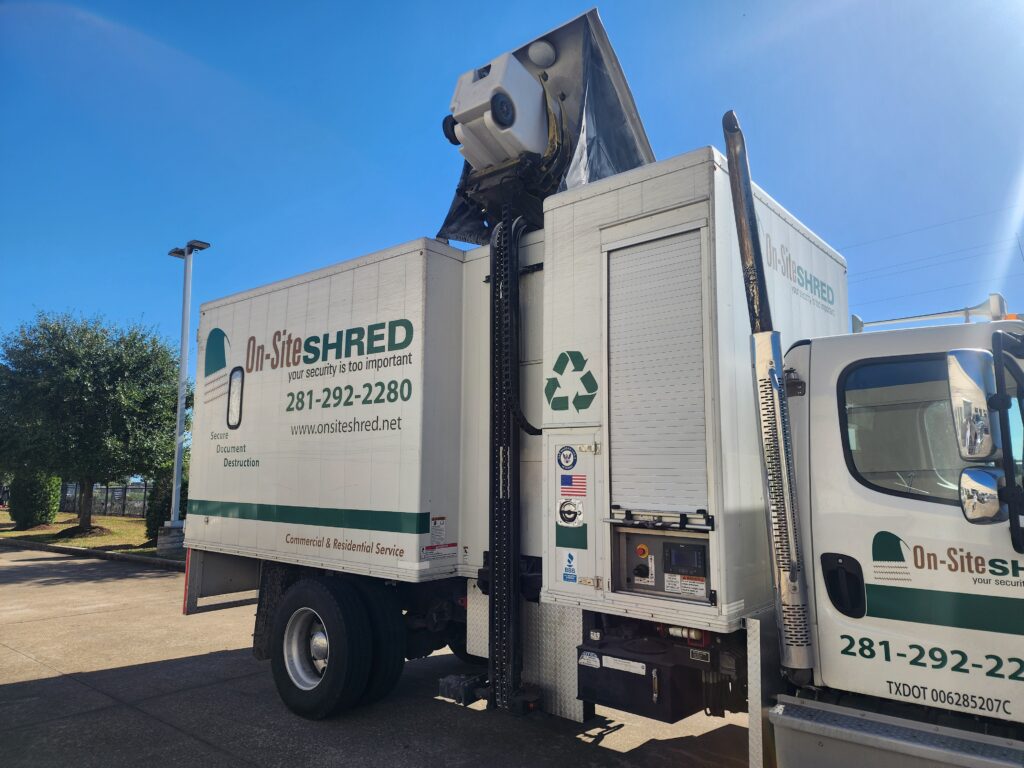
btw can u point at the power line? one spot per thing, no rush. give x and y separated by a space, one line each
915 269
919 259
925 228
933 290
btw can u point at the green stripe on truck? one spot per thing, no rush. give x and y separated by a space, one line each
362 519
987 613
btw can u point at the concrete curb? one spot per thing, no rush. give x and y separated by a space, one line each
152 562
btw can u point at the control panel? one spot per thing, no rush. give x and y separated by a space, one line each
664 563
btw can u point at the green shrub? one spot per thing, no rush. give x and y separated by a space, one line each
158 504
35 499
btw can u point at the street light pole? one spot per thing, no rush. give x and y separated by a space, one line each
179 434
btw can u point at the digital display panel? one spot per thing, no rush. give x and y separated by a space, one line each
684 559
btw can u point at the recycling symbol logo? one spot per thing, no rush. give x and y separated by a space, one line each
584 393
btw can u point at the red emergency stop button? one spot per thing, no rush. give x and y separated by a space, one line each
642 551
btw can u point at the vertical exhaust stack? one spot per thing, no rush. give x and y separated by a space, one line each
788 576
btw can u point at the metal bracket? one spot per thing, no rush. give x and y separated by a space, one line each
1014 495
706 524
795 387
528 269
999 402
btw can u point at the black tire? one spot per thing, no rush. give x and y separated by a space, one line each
388 629
457 645
347 627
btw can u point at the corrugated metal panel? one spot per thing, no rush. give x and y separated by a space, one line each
656 380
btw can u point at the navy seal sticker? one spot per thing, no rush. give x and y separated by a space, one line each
567 457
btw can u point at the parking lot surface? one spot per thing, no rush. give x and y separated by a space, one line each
99 668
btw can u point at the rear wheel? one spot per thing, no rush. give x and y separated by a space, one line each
457 645
321 649
388 627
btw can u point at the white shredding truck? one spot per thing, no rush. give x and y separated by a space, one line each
576 455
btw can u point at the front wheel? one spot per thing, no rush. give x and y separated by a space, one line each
321 652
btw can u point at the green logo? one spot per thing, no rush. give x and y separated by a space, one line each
890 562
583 397
216 352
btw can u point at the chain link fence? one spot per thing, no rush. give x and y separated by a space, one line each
126 500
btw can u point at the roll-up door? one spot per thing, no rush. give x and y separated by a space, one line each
656 376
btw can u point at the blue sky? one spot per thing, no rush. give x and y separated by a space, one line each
292 135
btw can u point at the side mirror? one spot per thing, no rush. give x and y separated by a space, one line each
979 495
972 381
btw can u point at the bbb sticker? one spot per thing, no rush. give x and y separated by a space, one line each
567 457
569 570
590 659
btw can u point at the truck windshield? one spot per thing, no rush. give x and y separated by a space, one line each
898 429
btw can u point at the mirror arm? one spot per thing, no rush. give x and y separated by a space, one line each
1013 343
1016 372
1015 499
1016 349
1010 495
1000 402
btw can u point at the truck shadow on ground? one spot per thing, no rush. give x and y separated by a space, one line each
61 569
222 709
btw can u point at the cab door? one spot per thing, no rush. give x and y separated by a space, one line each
912 601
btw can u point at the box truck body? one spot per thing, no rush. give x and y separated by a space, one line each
327 426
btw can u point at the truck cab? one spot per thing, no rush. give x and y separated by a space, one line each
906 485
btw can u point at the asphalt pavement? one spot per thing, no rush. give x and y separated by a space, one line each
98 667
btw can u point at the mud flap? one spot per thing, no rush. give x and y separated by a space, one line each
208 574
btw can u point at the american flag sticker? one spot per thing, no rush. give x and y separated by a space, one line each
574 485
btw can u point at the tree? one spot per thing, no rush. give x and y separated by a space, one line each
35 499
86 400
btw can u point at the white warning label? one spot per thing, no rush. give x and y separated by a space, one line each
689 586
439 546
437 551
438 528
624 665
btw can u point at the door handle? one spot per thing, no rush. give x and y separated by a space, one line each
844 582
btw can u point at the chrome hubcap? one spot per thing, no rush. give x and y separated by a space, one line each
307 649
318 649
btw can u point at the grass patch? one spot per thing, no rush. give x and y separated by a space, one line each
110 533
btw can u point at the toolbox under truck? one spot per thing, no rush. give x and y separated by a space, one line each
548 452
